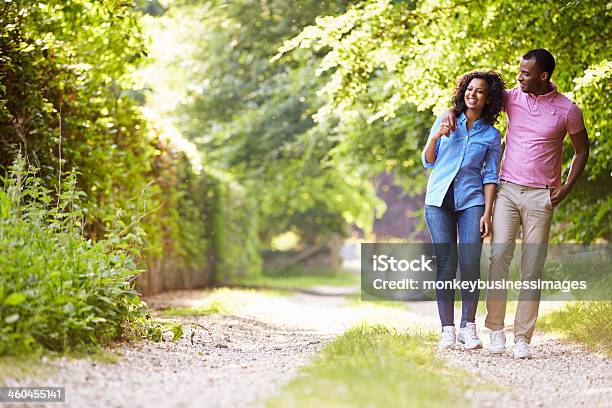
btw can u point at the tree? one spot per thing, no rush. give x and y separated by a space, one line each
252 118
383 56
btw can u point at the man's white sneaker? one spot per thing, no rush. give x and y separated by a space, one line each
498 342
468 337
521 349
447 338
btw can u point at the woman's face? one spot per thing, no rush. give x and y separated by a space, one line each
476 95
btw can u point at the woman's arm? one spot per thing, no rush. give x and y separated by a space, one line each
430 153
490 191
490 180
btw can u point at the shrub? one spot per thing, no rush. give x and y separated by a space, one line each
58 289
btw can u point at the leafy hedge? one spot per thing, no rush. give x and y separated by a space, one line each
69 254
233 234
59 289
209 228
67 102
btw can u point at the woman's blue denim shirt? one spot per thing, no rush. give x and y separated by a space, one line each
469 158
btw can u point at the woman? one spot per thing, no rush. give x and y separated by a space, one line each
460 195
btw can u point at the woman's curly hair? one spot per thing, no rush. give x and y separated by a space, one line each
496 85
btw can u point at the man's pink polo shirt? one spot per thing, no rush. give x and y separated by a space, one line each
534 140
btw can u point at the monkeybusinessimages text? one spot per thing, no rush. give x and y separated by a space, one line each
386 264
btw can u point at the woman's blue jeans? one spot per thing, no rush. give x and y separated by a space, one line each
445 224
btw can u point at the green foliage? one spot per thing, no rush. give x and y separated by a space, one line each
67 102
585 322
64 102
252 118
382 57
58 289
143 327
586 223
232 229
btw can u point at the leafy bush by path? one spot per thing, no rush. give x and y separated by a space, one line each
586 322
58 289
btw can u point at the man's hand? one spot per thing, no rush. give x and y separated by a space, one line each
485 225
580 141
450 119
558 194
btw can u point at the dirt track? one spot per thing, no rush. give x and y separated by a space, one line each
241 360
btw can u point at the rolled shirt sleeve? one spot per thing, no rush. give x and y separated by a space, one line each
575 121
432 132
491 166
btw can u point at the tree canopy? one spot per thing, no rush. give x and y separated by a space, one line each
307 103
382 56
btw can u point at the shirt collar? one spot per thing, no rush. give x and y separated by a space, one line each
547 96
477 123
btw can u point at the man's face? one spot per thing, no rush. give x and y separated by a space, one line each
530 77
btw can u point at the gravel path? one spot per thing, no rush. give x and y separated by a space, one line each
559 375
241 360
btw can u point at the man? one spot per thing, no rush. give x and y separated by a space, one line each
530 188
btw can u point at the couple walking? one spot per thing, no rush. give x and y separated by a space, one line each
467 200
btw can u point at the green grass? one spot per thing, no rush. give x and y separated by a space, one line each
191 311
304 281
223 301
585 322
372 366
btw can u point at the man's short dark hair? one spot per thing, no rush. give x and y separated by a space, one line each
543 58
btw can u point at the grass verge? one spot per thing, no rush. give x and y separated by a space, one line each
375 366
357 302
223 301
585 322
304 281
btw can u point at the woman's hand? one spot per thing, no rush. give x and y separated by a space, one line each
485 225
430 149
450 117
444 130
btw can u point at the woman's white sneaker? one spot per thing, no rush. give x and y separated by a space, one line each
521 349
468 337
447 338
498 342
